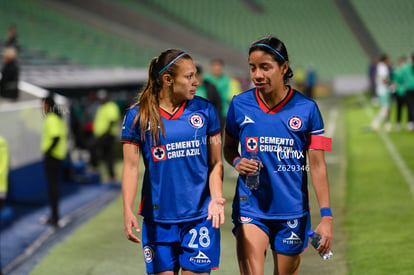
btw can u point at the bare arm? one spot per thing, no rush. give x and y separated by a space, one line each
321 185
216 206
130 174
231 152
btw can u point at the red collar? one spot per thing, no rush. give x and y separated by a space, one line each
175 115
275 108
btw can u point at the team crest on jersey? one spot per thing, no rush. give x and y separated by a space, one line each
158 153
244 219
148 254
295 123
252 144
196 121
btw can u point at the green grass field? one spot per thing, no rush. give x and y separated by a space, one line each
379 218
371 201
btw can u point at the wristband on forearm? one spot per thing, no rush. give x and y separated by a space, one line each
236 161
326 212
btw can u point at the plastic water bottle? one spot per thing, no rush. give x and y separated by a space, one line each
315 240
253 181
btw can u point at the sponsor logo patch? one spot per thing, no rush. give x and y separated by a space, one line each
158 153
252 144
293 239
201 258
247 120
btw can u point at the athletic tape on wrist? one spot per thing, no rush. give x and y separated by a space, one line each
326 212
236 161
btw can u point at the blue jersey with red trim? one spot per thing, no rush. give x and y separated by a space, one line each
175 186
279 136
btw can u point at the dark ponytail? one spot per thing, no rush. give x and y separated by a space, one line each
275 48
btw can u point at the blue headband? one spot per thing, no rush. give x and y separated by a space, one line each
274 50
171 62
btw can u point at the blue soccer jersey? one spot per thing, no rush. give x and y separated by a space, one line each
175 186
280 137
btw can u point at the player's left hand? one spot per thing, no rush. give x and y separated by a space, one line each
216 211
326 232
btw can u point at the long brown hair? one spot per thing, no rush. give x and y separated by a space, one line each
148 99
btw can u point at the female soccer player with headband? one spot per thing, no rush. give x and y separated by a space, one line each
178 136
281 127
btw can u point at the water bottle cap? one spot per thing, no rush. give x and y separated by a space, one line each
311 233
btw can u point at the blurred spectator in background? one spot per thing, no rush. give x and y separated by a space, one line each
4 170
408 80
299 78
310 81
383 92
54 149
207 90
372 68
105 129
12 40
9 75
235 88
222 83
397 78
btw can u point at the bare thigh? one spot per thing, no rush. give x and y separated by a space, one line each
251 244
286 265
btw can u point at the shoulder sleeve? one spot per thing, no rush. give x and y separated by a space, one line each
131 132
316 126
316 138
213 127
231 126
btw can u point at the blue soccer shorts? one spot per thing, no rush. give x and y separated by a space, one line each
288 237
193 245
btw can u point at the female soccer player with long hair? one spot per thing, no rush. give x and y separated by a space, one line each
281 127
178 136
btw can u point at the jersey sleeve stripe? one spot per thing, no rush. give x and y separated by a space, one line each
214 133
317 132
130 142
320 143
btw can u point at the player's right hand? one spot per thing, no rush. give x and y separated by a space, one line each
130 221
246 166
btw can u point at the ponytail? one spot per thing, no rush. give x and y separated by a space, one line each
148 115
